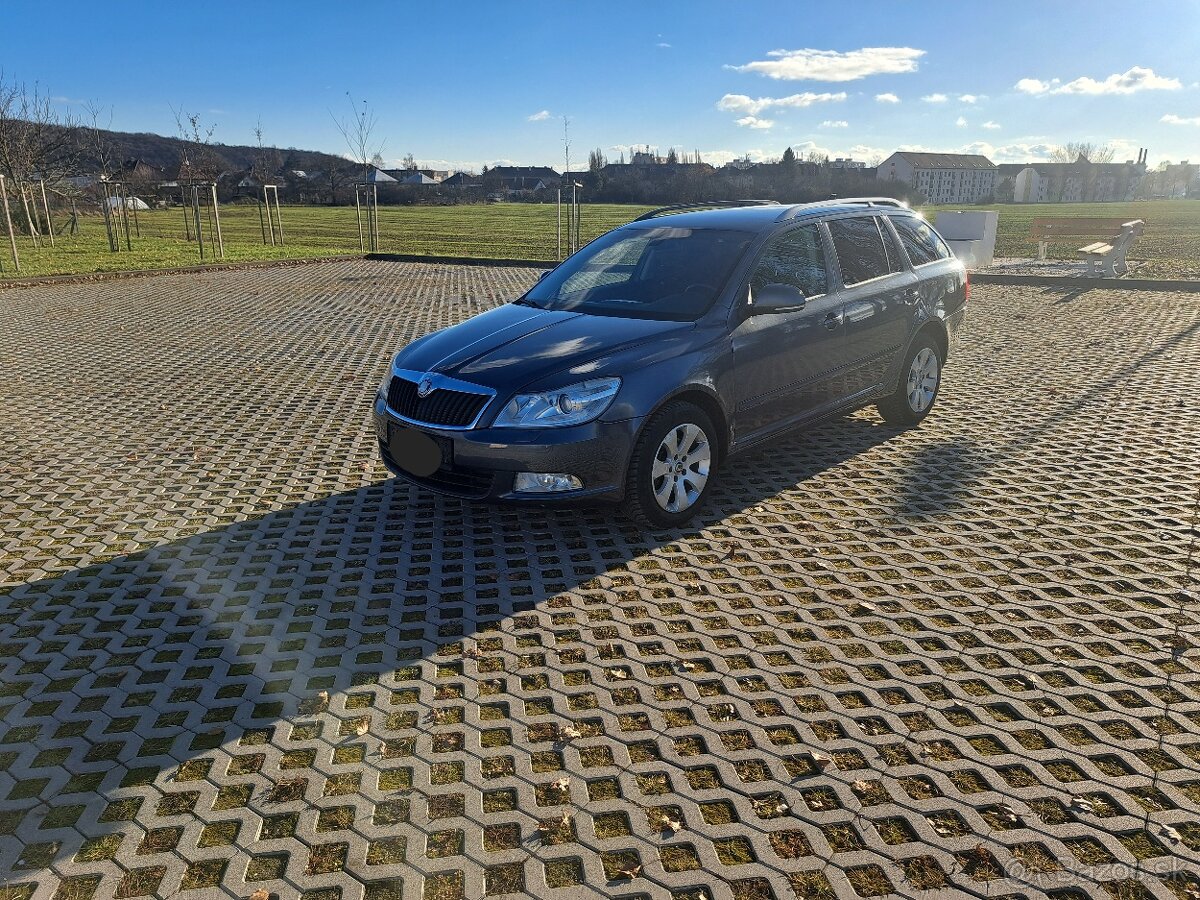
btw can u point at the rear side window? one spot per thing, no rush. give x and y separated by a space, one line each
921 241
796 258
860 249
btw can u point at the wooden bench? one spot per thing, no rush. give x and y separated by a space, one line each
1105 253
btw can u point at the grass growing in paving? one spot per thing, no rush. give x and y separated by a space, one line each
1170 247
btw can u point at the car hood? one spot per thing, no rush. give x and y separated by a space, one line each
513 345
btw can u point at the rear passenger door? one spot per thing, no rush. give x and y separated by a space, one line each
879 300
786 362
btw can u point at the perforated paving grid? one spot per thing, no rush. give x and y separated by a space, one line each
959 660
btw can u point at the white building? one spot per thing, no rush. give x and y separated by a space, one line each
846 163
942 177
1077 182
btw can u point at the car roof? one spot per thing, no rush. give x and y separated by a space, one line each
760 217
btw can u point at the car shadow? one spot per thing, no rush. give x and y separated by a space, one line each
127 677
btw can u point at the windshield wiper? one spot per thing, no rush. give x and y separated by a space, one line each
525 301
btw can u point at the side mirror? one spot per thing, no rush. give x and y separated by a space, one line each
776 298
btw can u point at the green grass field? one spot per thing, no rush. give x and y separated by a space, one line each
1169 248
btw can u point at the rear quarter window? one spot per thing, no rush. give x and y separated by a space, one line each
920 241
860 249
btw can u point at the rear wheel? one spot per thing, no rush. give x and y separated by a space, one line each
920 379
672 467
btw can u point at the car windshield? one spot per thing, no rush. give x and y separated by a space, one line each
654 273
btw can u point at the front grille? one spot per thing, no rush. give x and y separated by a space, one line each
449 408
456 480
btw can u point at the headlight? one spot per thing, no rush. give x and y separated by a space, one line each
386 383
572 405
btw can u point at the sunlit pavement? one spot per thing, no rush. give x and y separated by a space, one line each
959 660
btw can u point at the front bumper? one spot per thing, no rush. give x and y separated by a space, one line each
483 461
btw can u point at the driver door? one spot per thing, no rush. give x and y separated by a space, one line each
786 364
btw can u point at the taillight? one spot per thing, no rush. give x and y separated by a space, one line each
966 288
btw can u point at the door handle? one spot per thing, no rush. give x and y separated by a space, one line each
832 321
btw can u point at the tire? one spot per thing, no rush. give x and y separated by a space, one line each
694 464
920 381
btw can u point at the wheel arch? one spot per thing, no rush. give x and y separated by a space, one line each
706 398
934 328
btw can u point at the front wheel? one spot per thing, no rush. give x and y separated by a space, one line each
920 379
670 473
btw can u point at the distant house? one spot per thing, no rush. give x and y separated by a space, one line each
846 163
942 177
462 179
376 175
418 178
646 158
137 170
435 176
524 179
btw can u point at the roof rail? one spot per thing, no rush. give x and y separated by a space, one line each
793 211
705 204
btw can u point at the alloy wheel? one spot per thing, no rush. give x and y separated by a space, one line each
681 467
922 380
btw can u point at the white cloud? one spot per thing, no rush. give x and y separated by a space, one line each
1137 78
866 152
935 98
755 122
968 98
832 65
887 98
541 116
961 122
1034 86
663 45
1172 119
720 157
990 126
740 103
1016 152
835 123
981 147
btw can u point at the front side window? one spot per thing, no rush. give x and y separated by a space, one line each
658 272
919 240
860 250
797 259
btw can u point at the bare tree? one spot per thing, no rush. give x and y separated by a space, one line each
409 164
95 139
596 160
358 131
1093 153
36 141
197 160
266 159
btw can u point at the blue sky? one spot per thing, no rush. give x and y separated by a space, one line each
472 83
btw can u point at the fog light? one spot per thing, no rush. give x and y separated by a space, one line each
545 483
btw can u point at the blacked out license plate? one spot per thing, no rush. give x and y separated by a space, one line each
418 452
